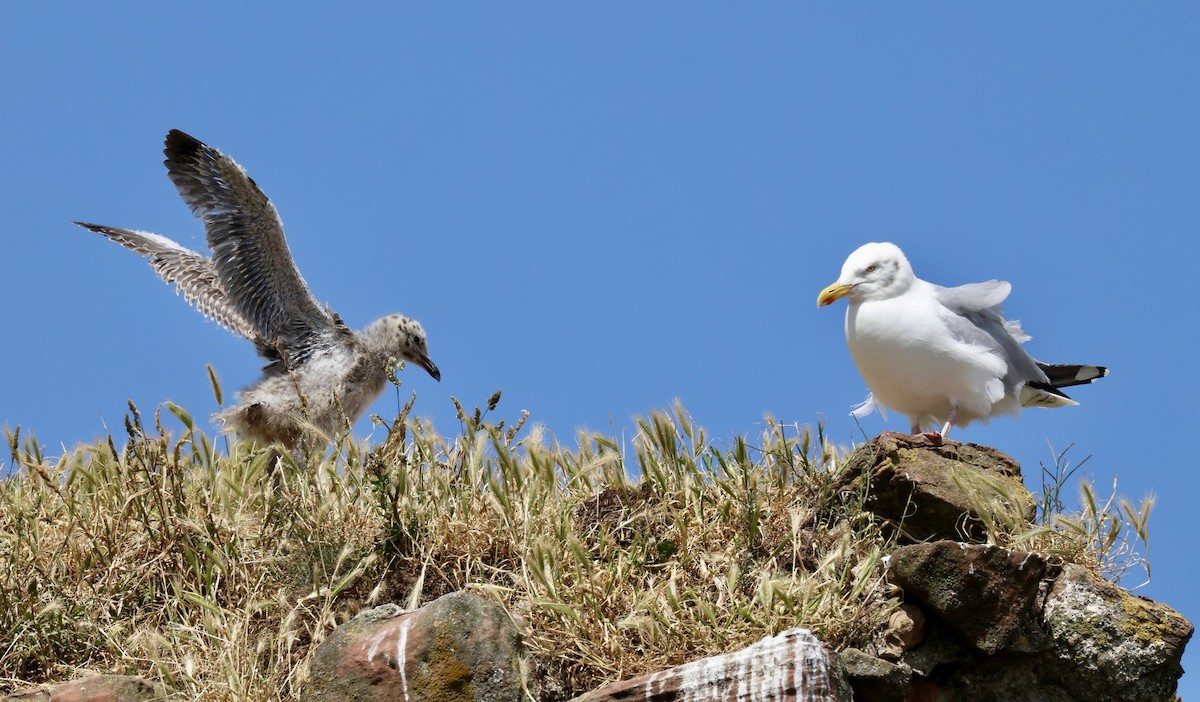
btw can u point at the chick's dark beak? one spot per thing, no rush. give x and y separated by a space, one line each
430 367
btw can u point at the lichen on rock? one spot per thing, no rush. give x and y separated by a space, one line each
1122 647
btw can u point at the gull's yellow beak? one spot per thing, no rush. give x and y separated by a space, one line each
833 293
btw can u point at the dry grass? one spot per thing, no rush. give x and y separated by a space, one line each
1109 537
218 574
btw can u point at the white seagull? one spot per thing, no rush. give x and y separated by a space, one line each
941 356
322 374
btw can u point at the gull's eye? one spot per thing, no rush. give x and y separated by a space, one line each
871 268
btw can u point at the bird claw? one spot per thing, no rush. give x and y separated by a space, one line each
935 438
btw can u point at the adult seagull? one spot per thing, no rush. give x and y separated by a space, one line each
941 356
322 374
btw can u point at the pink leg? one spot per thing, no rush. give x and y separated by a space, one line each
938 436
950 421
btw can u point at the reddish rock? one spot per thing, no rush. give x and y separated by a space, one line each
988 595
933 490
792 666
97 688
458 648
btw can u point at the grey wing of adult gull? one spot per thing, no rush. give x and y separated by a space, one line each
973 315
974 296
193 274
249 252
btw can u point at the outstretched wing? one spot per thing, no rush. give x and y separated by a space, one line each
249 252
193 274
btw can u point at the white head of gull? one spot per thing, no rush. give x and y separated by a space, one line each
941 356
322 374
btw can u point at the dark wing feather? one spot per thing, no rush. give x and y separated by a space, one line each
193 274
250 254
1064 375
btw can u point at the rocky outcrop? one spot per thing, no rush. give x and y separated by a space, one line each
458 648
1001 629
991 624
932 489
96 688
790 667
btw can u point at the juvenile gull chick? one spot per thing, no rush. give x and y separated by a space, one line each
321 372
940 354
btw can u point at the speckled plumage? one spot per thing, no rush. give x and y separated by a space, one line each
322 374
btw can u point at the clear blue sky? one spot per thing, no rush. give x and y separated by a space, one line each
600 208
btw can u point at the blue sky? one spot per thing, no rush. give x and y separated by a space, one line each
601 208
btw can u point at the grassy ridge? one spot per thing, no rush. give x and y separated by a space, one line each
219 571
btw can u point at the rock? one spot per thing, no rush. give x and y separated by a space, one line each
97 688
941 649
1001 630
458 648
905 630
1000 678
1111 645
987 595
934 490
792 666
874 679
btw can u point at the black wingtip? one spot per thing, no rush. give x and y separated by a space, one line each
179 144
180 138
191 165
97 228
1047 387
1063 375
